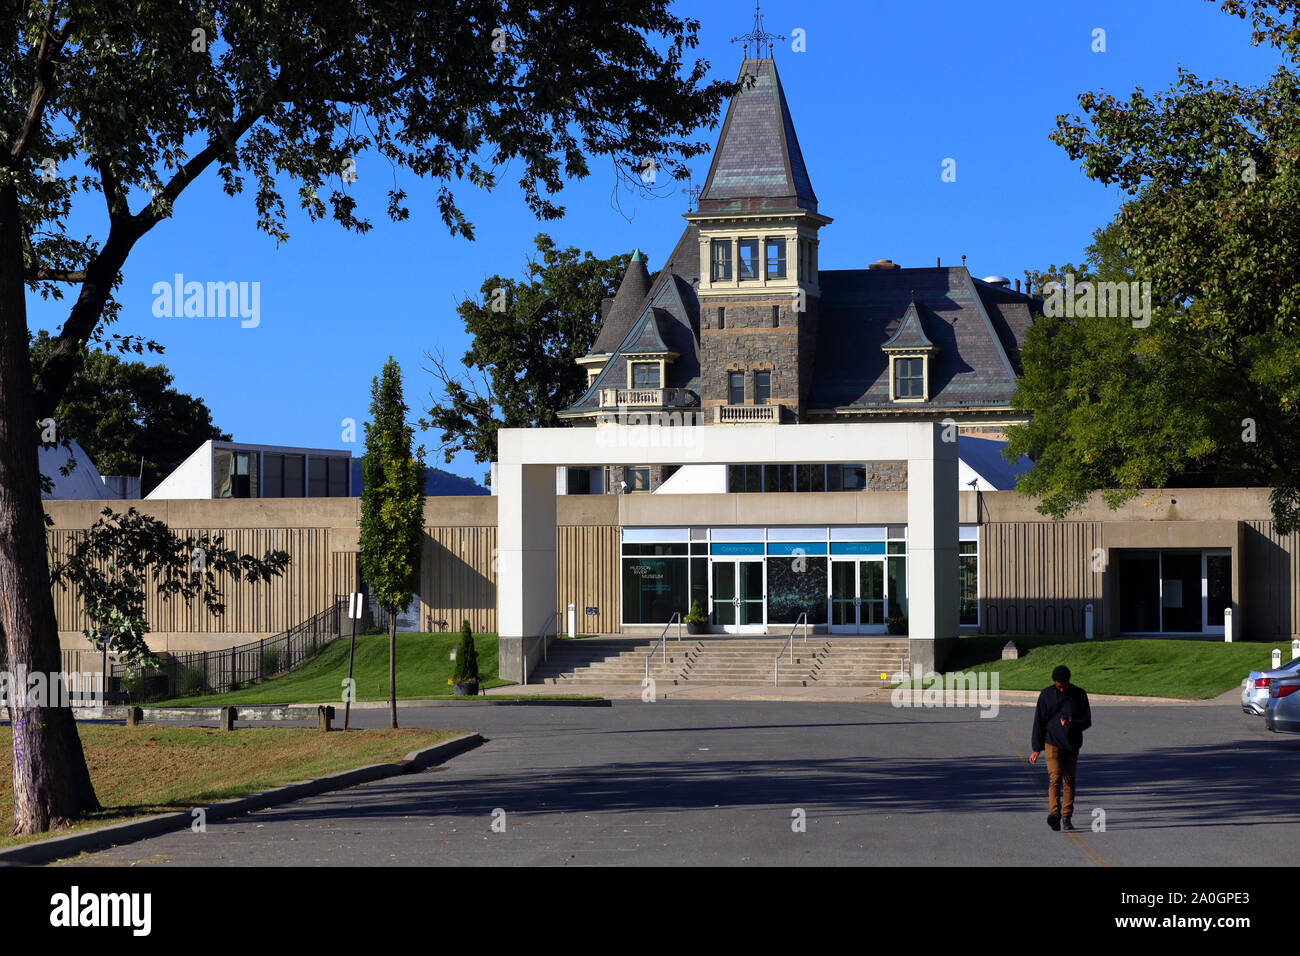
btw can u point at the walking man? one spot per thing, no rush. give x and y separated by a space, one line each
1061 717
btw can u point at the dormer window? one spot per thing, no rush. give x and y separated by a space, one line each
909 378
910 351
747 250
645 374
721 260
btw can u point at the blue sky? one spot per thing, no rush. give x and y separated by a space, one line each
882 96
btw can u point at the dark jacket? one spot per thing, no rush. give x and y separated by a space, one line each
1052 706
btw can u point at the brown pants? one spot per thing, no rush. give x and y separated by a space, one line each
1061 766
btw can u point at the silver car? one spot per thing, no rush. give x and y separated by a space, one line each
1282 715
1254 693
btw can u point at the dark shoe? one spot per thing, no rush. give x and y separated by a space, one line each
1054 821
1066 824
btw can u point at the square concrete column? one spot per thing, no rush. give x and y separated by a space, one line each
525 563
932 549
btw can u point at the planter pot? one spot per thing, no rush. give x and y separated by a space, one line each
461 689
897 629
696 627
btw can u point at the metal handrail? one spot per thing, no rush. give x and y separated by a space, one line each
789 642
523 656
663 639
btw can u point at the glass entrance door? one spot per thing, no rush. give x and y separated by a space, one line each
858 596
737 595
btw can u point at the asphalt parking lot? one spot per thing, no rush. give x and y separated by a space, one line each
677 783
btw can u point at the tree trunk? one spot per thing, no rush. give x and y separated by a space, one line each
51 781
392 670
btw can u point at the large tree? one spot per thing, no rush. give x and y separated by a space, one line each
127 416
1210 171
136 99
527 335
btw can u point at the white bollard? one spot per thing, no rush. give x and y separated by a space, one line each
573 621
1087 621
1277 658
1295 649
1227 625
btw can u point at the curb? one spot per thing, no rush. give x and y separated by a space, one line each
249 713
44 851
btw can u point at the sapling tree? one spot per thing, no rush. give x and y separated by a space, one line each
392 510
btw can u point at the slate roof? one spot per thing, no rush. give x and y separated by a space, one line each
757 164
911 331
863 309
626 308
669 320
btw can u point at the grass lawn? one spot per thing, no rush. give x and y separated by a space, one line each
1190 670
424 668
140 771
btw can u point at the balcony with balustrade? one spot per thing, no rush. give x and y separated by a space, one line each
641 398
747 414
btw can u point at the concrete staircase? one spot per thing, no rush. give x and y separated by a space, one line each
829 661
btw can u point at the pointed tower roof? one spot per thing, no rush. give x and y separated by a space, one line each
626 308
757 164
911 331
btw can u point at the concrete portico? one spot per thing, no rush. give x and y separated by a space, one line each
525 491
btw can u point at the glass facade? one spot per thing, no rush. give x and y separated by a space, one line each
1174 591
853 579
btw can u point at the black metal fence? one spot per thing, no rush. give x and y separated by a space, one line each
215 672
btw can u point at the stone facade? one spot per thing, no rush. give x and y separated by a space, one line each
757 334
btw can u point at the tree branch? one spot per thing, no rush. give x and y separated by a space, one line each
44 70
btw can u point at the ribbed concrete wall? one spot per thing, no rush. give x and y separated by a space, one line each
1271 583
1036 577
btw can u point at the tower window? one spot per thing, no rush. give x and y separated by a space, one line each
748 252
722 318
776 316
721 260
736 388
909 378
775 248
762 387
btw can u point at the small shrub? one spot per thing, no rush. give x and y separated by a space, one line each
466 670
192 682
270 661
696 614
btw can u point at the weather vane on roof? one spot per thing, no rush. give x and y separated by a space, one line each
757 36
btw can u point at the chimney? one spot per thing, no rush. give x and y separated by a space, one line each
1017 285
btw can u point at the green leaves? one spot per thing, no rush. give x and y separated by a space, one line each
112 563
392 497
521 369
122 412
1210 392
